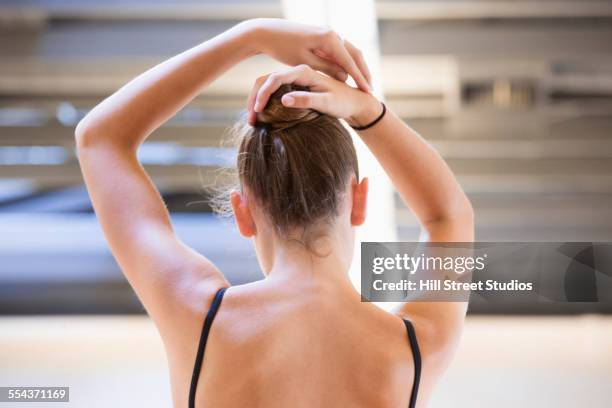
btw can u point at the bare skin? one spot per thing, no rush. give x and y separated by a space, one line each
300 337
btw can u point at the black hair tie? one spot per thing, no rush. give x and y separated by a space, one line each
375 121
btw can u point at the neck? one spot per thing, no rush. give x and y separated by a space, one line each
327 267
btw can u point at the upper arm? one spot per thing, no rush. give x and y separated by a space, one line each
168 276
439 325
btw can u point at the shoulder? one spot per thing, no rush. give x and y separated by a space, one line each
437 342
179 320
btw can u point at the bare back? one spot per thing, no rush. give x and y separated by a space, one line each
274 346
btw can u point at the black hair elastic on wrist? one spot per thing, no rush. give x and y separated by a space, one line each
375 121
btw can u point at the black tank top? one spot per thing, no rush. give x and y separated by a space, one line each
212 312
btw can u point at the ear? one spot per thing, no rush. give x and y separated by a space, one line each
360 201
242 214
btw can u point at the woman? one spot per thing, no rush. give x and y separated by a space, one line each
301 337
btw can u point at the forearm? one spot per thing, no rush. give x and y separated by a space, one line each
421 176
429 188
128 116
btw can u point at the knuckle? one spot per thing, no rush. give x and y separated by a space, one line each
304 99
331 34
303 68
273 79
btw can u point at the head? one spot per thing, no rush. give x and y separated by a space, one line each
298 182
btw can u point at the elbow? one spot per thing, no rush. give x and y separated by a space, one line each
79 134
91 133
83 134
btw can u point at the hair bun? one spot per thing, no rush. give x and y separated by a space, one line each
278 117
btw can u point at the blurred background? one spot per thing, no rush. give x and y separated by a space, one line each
515 94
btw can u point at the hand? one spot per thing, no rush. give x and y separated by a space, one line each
321 48
325 95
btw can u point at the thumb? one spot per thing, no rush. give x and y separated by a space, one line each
318 101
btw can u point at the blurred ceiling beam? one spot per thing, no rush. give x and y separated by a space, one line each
420 10
210 11
177 177
35 75
466 10
476 177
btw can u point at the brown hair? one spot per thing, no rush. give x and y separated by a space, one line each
295 163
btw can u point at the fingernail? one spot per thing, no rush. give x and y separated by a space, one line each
288 101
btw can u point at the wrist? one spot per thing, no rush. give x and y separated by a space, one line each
249 35
369 108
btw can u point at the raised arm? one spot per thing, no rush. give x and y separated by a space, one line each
417 171
167 275
428 186
170 278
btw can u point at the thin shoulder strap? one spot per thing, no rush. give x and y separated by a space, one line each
416 355
210 316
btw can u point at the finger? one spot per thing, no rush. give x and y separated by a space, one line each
327 66
251 117
306 100
252 96
299 75
342 57
359 60
341 75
